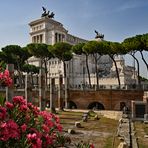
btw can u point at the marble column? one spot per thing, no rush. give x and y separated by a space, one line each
42 101
52 99
60 99
28 88
66 92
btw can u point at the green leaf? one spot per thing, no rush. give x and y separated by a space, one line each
2 100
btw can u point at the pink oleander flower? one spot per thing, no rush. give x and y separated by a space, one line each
48 119
30 105
92 146
59 127
57 119
38 143
3 113
31 136
33 109
19 100
34 140
9 105
9 130
5 78
23 108
45 128
23 127
6 73
4 133
13 129
48 139
20 119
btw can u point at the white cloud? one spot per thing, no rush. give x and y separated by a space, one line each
132 4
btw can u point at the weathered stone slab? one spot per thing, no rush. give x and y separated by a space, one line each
78 124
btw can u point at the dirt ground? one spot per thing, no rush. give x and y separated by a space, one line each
101 132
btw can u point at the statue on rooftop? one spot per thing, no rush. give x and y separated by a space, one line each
47 14
44 12
51 15
99 35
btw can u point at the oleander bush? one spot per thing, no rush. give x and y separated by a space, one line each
5 79
23 125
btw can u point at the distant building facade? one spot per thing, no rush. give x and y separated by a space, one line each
47 30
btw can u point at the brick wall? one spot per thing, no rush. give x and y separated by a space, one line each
110 99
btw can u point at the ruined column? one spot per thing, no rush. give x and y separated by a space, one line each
66 92
60 100
10 90
133 115
52 99
28 88
42 101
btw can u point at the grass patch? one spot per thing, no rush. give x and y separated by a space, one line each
70 113
141 131
109 142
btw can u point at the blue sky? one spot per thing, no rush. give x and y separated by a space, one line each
116 19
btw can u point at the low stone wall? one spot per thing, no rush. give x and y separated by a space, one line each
110 114
106 113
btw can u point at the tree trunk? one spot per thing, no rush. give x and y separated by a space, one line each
64 69
32 79
88 70
116 70
138 69
96 69
21 79
144 60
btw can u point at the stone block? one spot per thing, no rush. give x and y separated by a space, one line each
78 124
85 117
145 136
71 131
123 145
96 117
145 122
